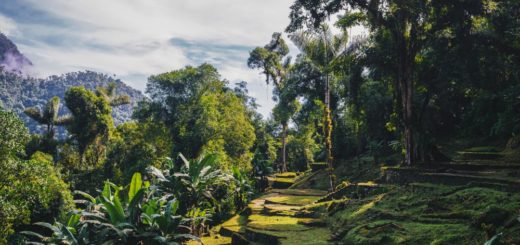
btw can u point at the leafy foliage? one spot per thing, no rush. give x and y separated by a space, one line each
13 135
31 191
135 146
201 114
244 190
193 182
134 218
48 116
91 117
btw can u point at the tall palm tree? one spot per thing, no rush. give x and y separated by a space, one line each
49 116
275 63
109 93
322 48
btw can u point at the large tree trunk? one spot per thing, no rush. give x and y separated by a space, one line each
405 86
284 144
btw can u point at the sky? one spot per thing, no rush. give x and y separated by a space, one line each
133 39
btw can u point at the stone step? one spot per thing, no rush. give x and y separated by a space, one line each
476 165
318 166
280 210
472 155
297 201
359 190
262 237
461 179
299 192
280 183
473 178
274 218
239 239
286 175
313 223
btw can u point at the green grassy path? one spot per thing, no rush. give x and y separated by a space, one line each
277 217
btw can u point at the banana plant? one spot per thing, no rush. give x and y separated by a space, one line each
194 183
61 233
198 218
261 170
244 190
121 215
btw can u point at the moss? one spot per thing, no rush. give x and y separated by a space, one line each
212 240
300 192
364 208
286 175
315 180
424 214
314 236
357 170
291 200
277 223
402 232
234 224
492 218
483 149
281 182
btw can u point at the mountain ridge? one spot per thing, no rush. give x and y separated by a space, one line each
11 59
19 91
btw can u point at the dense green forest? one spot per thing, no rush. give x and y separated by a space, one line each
408 133
18 92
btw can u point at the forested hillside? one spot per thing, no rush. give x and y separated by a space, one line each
19 92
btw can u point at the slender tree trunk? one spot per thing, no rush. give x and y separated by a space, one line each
284 144
328 135
409 133
405 85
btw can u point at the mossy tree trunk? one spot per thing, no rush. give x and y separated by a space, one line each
328 135
284 145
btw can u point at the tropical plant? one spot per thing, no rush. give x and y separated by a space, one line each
61 233
198 220
91 123
274 63
193 183
201 113
322 48
109 93
49 116
138 217
261 170
244 190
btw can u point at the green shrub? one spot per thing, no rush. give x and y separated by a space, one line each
31 191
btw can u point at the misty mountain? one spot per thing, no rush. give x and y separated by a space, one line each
11 59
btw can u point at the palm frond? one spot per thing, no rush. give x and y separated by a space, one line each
120 100
63 120
35 114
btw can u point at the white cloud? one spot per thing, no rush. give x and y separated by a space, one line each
226 21
132 38
7 25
